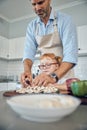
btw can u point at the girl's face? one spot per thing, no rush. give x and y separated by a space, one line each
48 65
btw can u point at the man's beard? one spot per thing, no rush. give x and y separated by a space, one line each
42 14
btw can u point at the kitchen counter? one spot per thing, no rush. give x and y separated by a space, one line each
9 120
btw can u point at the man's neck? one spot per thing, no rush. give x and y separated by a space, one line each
46 18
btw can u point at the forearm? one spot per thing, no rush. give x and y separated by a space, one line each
63 69
27 65
61 86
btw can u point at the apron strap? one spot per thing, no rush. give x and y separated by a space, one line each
55 25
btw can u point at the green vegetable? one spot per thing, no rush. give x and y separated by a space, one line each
79 88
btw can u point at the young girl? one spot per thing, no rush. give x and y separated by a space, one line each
49 63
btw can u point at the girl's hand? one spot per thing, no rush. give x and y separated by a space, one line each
42 79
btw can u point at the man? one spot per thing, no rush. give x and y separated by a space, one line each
53 32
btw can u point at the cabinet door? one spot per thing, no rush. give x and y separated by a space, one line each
82 39
4 47
11 86
19 47
16 47
3 86
12 49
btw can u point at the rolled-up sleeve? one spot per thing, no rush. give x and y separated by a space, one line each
30 44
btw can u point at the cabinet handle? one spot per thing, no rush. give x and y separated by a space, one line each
79 48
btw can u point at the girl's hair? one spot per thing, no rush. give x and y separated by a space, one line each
52 56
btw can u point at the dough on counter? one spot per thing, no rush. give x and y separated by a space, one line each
38 89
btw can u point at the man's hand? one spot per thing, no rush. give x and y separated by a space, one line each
43 79
26 79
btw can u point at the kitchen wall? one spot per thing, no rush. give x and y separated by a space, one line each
4 28
15 31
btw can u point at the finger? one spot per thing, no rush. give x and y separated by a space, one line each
27 80
22 79
26 85
49 84
35 82
23 82
45 83
40 83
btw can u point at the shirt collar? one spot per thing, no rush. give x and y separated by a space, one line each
52 17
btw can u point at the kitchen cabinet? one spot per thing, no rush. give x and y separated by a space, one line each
12 48
16 47
11 86
6 86
82 39
19 47
4 47
81 68
3 86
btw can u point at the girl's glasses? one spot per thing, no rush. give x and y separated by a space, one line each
47 66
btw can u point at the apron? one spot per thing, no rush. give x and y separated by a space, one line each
52 43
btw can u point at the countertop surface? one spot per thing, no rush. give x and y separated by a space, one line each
9 120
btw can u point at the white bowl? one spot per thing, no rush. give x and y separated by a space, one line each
44 107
